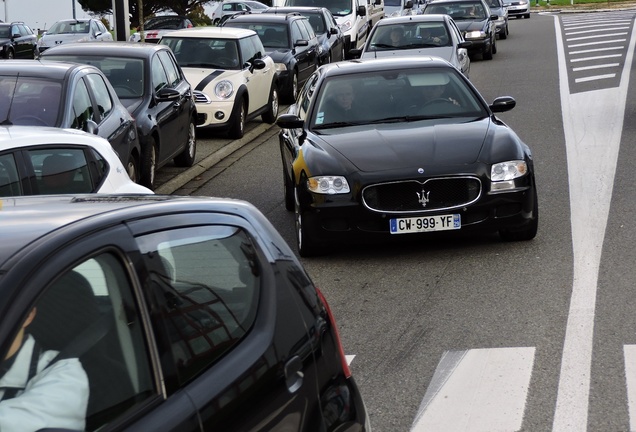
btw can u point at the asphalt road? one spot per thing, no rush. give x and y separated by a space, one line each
531 336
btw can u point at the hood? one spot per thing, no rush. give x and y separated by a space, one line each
470 25
52 39
277 54
444 52
200 78
394 147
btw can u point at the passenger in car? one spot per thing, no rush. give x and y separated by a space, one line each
340 106
39 391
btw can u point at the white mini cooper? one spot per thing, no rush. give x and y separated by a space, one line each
233 79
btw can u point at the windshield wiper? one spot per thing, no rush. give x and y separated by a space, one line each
336 125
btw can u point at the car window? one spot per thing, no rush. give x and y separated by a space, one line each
82 106
305 95
159 76
101 168
101 93
88 327
205 285
316 20
171 67
296 33
251 48
9 181
5 31
61 170
30 101
101 27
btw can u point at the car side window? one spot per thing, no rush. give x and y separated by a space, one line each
249 49
296 33
101 93
305 96
101 167
159 76
93 366
61 170
172 70
9 181
308 28
205 284
82 106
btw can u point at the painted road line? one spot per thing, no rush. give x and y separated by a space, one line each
629 352
592 139
477 390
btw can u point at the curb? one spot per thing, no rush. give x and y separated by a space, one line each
208 162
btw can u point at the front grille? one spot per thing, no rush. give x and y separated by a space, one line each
414 196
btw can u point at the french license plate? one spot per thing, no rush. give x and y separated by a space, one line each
426 224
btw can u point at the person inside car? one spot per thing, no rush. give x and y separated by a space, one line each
38 391
340 105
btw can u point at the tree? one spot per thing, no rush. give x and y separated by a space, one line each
150 7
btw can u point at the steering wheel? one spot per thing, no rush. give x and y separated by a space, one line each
30 120
438 100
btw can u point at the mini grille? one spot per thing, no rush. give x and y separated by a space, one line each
407 196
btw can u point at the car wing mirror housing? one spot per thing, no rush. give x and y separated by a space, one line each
301 42
257 64
289 121
503 104
91 127
465 44
333 30
361 11
355 53
167 95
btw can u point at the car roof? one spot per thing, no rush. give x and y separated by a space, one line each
25 219
454 1
114 49
266 17
412 18
211 32
15 136
40 68
301 9
383 64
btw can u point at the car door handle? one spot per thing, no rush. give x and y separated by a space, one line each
294 374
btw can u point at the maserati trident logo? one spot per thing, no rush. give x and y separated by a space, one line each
422 197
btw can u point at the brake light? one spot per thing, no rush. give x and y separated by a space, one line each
332 321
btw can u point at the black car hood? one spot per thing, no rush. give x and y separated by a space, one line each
470 25
278 54
389 147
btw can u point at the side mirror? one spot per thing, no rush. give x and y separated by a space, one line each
91 127
258 64
408 5
167 95
465 44
289 121
494 17
301 42
503 104
355 53
16 35
361 11
333 30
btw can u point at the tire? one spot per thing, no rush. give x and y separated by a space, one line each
273 104
305 241
9 55
237 127
132 169
293 90
527 16
487 55
149 163
529 232
504 33
216 21
187 156
288 191
494 45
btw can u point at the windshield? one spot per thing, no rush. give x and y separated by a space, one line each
336 7
411 35
204 52
29 101
64 27
395 96
272 35
171 23
458 11
5 32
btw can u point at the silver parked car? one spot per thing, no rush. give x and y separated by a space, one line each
435 35
497 7
74 30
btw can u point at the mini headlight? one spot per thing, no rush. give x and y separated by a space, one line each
328 185
224 89
509 170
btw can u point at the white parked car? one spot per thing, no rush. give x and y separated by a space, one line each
42 160
74 30
233 79
431 35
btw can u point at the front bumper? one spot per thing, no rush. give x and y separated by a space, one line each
517 10
214 114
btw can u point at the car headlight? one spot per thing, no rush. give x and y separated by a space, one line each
224 89
503 174
475 34
345 26
328 185
280 67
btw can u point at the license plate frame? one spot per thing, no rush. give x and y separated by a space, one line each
420 224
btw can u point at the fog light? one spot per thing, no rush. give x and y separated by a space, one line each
219 115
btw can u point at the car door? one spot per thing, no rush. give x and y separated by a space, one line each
20 43
87 306
336 39
237 343
304 53
258 81
173 115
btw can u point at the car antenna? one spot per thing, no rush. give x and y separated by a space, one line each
7 122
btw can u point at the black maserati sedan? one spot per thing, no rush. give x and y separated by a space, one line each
402 148
151 85
70 96
124 312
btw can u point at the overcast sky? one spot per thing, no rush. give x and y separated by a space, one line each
39 14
